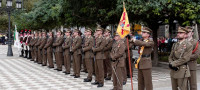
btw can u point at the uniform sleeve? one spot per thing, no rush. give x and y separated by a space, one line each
196 54
78 45
90 46
109 46
143 43
68 45
59 43
43 43
100 48
120 52
185 57
171 54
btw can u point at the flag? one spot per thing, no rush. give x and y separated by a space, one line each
16 38
123 28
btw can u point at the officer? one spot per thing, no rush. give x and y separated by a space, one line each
99 57
88 54
76 51
49 50
118 56
144 64
31 47
35 47
59 50
28 42
39 51
178 59
44 52
107 49
66 46
193 59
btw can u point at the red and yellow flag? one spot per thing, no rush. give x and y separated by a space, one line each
123 28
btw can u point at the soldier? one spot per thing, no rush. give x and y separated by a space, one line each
76 50
24 43
99 57
35 47
193 59
67 57
44 51
31 47
118 56
49 50
144 64
87 49
21 41
83 60
107 49
39 51
126 71
59 51
29 42
178 59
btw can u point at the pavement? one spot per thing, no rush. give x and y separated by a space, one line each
18 73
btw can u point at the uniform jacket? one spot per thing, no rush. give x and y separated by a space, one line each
87 49
118 54
58 44
48 45
35 47
145 62
99 48
180 61
193 59
108 47
76 45
67 44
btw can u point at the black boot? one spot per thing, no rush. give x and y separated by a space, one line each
29 55
26 53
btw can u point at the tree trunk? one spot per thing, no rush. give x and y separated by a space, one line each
155 49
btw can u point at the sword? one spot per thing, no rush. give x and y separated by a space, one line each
116 76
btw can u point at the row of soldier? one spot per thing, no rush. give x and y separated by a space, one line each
106 58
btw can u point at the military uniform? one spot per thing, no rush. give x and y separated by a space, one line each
193 61
107 61
178 59
39 50
44 51
99 57
76 50
145 63
24 44
89 56
35 49
67 55
59 52
49 51
118 56
29 47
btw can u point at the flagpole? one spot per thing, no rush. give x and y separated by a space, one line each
129 59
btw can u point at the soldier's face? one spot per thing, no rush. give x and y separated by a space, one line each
181 35
50 34
75 34
145 34
67 34
117 37
58 33
190 34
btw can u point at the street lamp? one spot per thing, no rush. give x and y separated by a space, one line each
9 9
0 3
18 4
